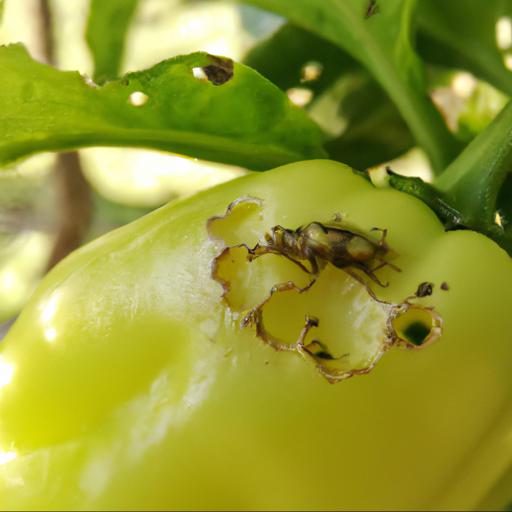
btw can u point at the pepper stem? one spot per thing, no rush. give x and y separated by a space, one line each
475 186
472 182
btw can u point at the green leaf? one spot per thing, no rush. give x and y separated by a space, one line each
283 56
375 131
231 114
377 33
462 34
106 33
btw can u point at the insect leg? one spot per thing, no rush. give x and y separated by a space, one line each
360 280
315 265
258 250
371 275
384 263
314 268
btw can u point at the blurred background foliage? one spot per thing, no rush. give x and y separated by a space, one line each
38 200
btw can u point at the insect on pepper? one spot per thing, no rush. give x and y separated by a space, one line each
333 243
312 247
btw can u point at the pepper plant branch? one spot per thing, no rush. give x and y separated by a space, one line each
74 194
75 204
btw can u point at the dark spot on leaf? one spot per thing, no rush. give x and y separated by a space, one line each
416 333
220 71
372 9
424 289
444 286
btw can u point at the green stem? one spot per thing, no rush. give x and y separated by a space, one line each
472 182
423 119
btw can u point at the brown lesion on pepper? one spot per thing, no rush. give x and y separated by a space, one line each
406 324
424 289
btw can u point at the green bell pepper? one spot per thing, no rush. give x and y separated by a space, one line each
128 383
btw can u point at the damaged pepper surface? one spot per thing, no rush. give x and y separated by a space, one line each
128 383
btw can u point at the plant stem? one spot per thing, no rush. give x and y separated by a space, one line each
74 194
75 206
472 182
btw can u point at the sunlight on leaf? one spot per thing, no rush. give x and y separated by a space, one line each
245 121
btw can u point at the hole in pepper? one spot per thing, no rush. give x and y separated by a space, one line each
417 326
417 333
353 329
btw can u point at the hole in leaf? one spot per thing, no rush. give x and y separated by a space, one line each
138 98
218 72
199 74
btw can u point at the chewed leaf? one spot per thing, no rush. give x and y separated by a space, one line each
233 116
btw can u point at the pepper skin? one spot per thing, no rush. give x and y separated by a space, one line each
127 383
